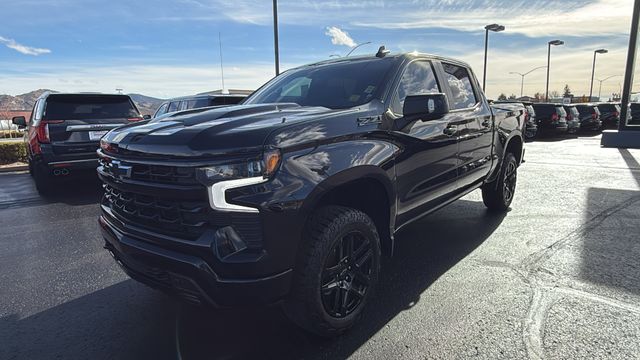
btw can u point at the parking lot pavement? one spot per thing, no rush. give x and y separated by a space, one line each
555 277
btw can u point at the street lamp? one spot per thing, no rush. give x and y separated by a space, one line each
357 46
523 75
494 28
593 69
601 81
275 36
554 43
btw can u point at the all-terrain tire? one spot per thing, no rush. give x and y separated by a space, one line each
310 304
498 194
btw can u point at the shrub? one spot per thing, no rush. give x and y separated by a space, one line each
6 134
12 151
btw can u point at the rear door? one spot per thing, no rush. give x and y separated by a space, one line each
76 122
474 120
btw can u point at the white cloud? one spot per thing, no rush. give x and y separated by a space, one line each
339 37
27 50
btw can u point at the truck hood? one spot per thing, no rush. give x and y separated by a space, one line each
224 131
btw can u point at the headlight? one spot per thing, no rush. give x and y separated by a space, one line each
264 167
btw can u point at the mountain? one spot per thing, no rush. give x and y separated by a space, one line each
146 104
20 102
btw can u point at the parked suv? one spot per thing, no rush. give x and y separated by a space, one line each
197 101
64 131
589 117
294 195
573 118
609 115
552 118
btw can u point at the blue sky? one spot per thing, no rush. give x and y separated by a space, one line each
169 48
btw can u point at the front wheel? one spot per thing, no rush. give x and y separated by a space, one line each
498 194
336 271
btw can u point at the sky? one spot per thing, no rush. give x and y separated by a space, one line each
167 48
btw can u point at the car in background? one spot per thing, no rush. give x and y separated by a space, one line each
634 114
609 115
530 121
198 101
573 118
589 117
552 118
64 131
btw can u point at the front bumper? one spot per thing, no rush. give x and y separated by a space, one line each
188 276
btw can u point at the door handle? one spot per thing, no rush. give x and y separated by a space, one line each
450 130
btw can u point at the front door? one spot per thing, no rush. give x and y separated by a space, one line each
426 168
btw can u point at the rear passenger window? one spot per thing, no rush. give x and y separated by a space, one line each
173 106
183 105
461 86
417 79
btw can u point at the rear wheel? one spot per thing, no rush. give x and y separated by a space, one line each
337 269
43 179
498 194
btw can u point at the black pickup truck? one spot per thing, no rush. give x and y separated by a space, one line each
293 196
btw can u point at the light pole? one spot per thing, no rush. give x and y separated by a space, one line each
275 35
593 69
357 46
555 43
603 80
494 28
523 75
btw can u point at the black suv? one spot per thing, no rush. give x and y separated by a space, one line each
589 117
197 101
64 131
609 115
552 118
573 118
294 195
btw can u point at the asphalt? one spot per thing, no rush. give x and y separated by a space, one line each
556 277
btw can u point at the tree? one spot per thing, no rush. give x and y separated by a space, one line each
539 96
554 94
512 97
567 91
502 97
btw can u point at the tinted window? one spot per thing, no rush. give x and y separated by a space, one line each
88 107
461 87
336 85
199 103
161 110
544 110
173 106
183 105
608 107
418 78
585 109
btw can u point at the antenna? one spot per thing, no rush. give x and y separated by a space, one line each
221 67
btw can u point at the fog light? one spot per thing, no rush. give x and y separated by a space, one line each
228 242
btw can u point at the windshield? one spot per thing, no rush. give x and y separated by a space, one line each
336 85
89 107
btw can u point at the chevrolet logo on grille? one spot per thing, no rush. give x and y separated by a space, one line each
120 170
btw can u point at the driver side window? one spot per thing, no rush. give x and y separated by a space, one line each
418 78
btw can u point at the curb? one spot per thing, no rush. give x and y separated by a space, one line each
14 168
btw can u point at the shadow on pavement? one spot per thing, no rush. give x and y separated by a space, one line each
129 321
122 321
610 236
425 250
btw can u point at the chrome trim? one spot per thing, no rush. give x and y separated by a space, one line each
217 193
92 127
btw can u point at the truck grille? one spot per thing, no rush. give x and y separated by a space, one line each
183 219
179 218
178 175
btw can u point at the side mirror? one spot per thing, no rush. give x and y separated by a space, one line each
146 117
20 121
425 107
